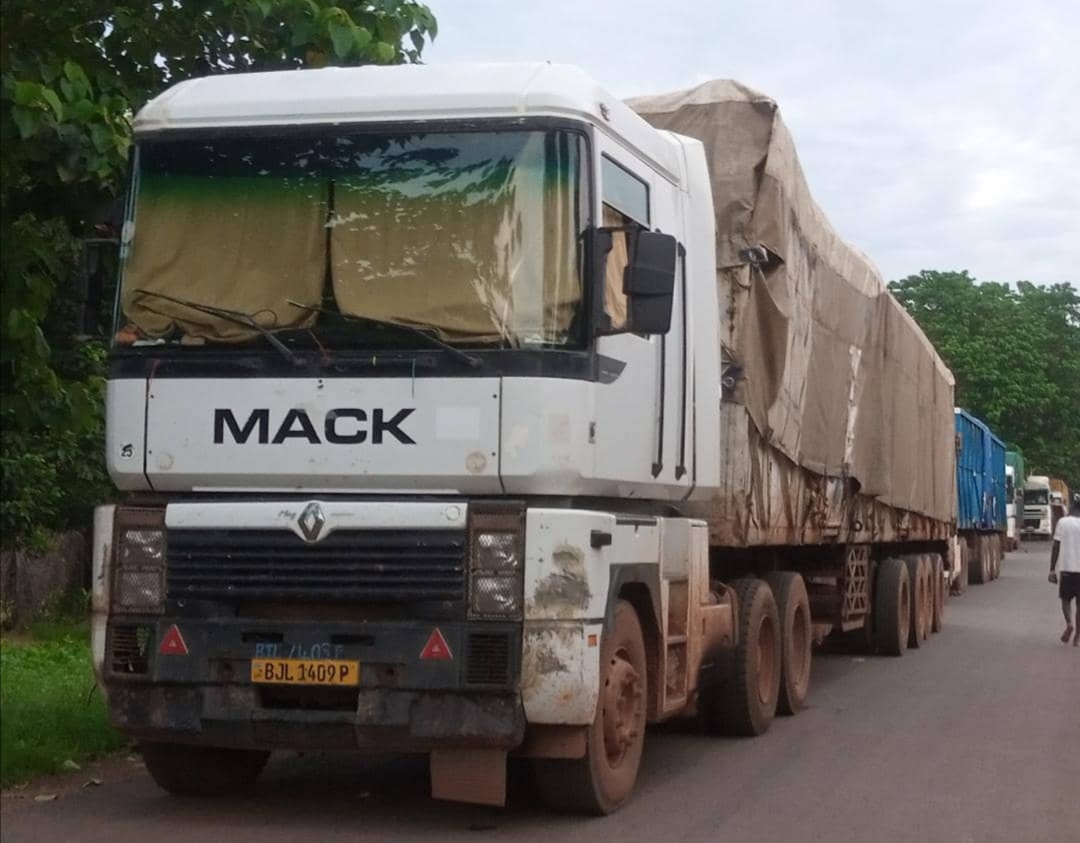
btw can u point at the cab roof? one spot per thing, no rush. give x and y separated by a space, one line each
401 93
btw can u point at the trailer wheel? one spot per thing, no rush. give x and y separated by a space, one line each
744 703
960 582
603 780
979 571
928 575
192 770
999 555
796 639
918 621
937 575
892 607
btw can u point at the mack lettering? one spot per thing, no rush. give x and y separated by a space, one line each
341 426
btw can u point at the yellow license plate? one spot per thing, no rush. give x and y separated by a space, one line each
304 672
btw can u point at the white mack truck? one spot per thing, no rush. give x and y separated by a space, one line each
470 411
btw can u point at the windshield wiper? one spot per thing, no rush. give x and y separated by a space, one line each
237 317
472 360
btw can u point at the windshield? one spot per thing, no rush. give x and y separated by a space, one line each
473 236
1036 496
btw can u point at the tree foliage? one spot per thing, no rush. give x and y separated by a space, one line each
1015 353
71 77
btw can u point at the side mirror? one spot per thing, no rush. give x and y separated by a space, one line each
97 263
650 281
641 272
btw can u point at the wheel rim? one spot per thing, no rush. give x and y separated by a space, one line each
800 656
766 659
623 708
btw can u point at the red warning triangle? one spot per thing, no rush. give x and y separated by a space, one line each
436 648
173 643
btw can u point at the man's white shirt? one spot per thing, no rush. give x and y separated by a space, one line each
1068 534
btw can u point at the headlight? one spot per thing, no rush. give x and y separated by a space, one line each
139 579
496 545
497 552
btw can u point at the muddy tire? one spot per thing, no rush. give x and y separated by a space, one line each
744 703
960 583
796 639
190 770
937 576
979 569
602 781
928 594
892 607
917 620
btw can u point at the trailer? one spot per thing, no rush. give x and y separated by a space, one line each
467 410
981 498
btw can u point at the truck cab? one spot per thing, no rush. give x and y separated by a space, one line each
1038 512
383 341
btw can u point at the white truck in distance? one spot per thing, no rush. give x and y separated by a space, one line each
1038 511
468 410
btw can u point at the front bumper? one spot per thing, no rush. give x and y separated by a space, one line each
403 702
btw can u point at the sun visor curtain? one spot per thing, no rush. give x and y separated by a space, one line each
482 249
213 241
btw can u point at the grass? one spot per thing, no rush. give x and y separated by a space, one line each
50 711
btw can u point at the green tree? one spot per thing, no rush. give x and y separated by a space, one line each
71 77
1015 353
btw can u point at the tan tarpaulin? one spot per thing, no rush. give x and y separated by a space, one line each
236 243
837 377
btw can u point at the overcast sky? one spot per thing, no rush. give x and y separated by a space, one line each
936 134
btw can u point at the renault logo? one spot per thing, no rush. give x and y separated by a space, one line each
311 522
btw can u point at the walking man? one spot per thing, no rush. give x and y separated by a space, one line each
1067 551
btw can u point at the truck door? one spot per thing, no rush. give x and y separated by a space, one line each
641 406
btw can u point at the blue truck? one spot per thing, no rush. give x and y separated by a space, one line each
981 498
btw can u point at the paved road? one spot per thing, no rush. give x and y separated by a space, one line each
975 737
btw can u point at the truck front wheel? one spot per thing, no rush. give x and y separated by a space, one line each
603 780
191 770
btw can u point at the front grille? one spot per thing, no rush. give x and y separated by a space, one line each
487 659
375 566
129 649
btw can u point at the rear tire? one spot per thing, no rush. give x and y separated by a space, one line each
602 781
892 607
744 703
918 621
192 770
960 582
928 594
796 639
979 570
937 573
